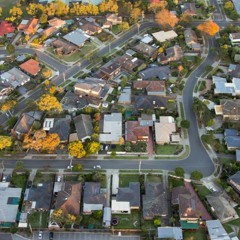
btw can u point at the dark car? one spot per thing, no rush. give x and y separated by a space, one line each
51 236
29 184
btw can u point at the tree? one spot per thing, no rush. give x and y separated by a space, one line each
156 6
77 167
57 215
166 19
93 147
196 175
209 27
185 124
10 48
98 214
52 90
15 11
43 18
97 116
76 149
5 142
0 11
157 222
135 14
121 141
46 73
8 105
97 177
124 26
179 172
70 218
47 102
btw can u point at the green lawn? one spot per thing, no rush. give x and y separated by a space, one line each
167 149
38 219
88 48
72 57
127 221
199 234
19 180
202 191
175 182
154 178
115 29
90 220
125 179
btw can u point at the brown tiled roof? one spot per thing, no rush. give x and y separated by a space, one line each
49 31
135 132
230 106
31 66
90 27
56 22
187 206
150 86
176 192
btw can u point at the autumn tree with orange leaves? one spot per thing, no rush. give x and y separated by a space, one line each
209 27
166 19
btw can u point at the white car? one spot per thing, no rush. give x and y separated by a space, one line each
97 167
40 235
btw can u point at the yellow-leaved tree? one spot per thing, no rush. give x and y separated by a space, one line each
8 105
5 142
93 147
76 149
47 102
209 27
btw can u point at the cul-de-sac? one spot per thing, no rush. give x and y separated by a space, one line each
119 119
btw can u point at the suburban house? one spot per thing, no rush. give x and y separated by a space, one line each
83 126
234 181
112 19
9 200
92 87
134 132
125 96
156 88
127 198
29 27
109 70
189 214
176 192
56 23
232 139
39 197
229 109
224 87
144 102
61 126
77 37
163 36
94 197
165 130
174 233
94 2
234 70
236 4
189 8
31 67
68 197
234 38
111 131
146 50
25 123
216 230
49 31
5 89
128 62
237 155
72 102
154 201
222 206
174 53
15 77
6 28
147 39
90 28
191 40
162 73
62 47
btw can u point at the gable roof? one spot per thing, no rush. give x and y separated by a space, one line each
230 106
176 191
130 194
31 66
235 178
149 102
161 72
6 28
187 206
68 199
56 22
216 230
76 37
150 86
134 132
90 27
24 124
170 232
163 36
31 26
83 125
154 201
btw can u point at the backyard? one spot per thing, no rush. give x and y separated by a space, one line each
19 180
199 234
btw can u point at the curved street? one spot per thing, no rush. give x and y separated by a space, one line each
198 158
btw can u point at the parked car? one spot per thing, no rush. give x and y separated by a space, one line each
29 184
51 236
4 179
40 234
97 167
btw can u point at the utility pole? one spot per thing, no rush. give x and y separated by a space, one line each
139 167
64 77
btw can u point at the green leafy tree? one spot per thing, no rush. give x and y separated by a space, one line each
196 175
157 222
10 48
185 124
179 172
98 214
77 167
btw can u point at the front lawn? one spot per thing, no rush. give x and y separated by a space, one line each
235 222
19 180
103 37
125 179
127 221
202 191
38 219
154 178
168 149
176 182
199 234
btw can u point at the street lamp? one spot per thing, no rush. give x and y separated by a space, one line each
139 167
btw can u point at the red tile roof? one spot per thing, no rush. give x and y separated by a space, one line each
31 66
6 28
31 27
135 132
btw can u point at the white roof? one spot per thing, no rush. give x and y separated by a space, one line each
76 37
112 128
48 124
24 22
9 200
92 207
163 131
125 96
170 232
216 230
236 82
162 36
166 119
120 206
147 39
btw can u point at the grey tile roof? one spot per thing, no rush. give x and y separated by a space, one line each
76 37
149 102
236 177
162 73
170 232
83 125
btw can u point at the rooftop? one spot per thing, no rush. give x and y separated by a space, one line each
163 36
76 37
31 66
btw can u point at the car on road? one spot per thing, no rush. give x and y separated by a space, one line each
40 234
97 167
51 236
4 179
